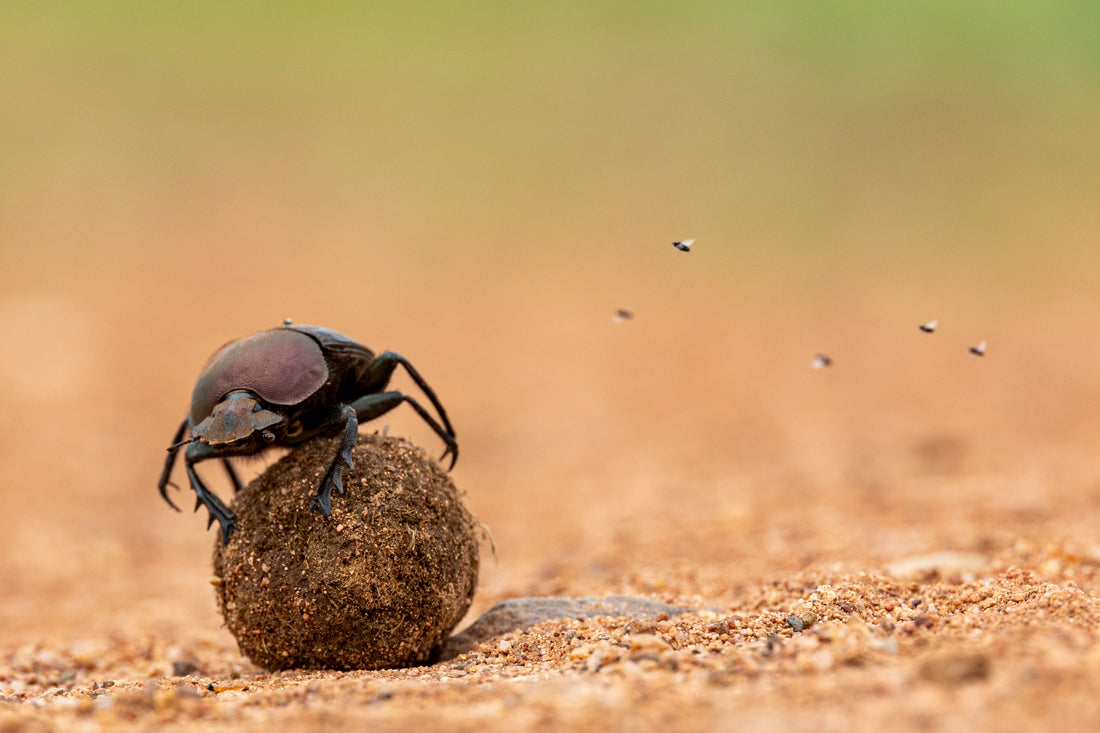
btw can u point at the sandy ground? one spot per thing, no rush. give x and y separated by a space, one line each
906 540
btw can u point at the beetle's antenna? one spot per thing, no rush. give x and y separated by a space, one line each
176 446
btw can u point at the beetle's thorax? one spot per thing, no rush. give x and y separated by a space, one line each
237 418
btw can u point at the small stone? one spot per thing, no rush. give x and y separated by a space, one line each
795 623
923 621
581 652
824 594
640 626
519 613
183 667
604 655
804 611
644 646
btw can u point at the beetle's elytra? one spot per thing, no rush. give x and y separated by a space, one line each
282 387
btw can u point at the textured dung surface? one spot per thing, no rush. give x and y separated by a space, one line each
378 583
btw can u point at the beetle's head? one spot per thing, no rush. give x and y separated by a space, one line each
237 418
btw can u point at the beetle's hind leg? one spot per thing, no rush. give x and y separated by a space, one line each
378 376
334 477
371 406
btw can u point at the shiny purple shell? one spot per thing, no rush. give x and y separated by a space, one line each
281 366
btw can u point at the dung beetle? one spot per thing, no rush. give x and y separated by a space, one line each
280 388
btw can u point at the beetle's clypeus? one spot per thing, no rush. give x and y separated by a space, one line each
280 388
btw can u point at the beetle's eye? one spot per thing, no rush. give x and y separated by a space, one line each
257 407
269 436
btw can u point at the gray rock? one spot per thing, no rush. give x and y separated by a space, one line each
521 613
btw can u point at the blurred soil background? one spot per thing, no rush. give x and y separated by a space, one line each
478 187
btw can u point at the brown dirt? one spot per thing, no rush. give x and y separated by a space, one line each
480 190
927 516
380 582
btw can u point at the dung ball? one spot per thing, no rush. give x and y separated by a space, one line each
380 582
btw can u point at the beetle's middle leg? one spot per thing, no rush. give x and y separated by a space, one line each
378 376
334 477
371 406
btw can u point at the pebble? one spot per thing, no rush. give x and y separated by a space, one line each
183 667
647 646
604 655
923 621
526 612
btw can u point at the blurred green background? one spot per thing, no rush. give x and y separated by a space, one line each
882 141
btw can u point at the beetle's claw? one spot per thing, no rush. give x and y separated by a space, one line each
164 493
227 521
324 501
228 526
217 510
452 449
334 480
334 477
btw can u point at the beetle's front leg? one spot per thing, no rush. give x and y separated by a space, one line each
235 477
334 477
169 462
199 452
